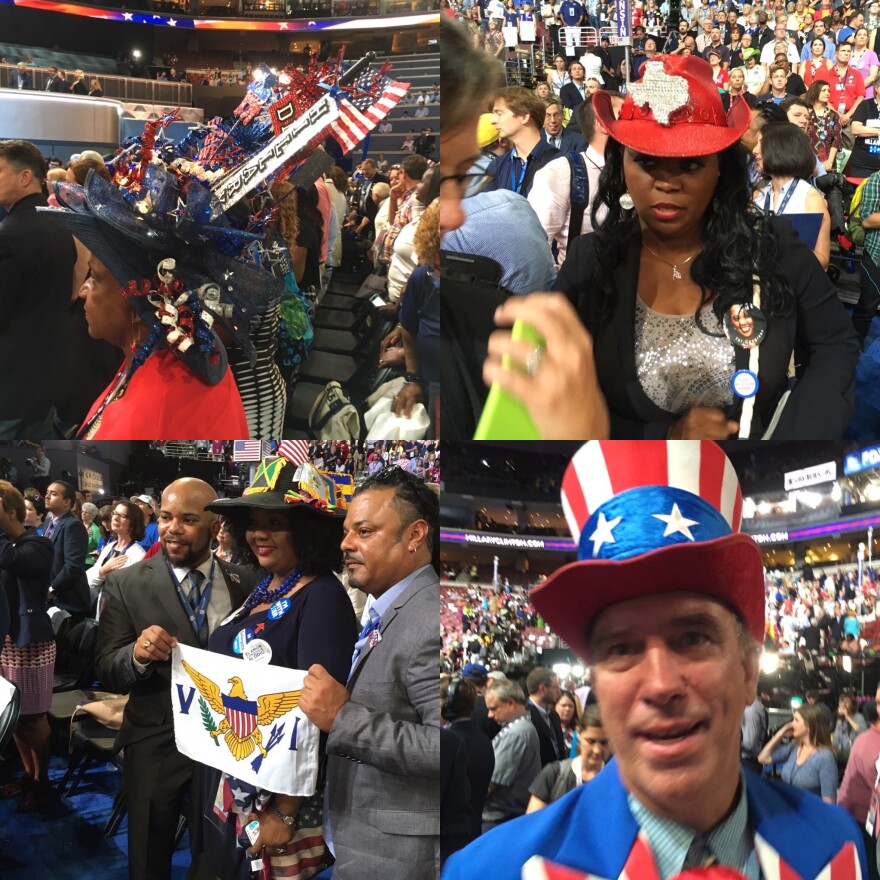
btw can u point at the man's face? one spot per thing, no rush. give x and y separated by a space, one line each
683 27
715 36
799 116
819 28
56 503
552 693
553 119
13 183
505 121
591 86
746 41
500 712
844 50
458 152
673 683
376 546
146 509
185 527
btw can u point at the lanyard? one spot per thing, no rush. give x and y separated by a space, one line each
516 185
785 198
196 616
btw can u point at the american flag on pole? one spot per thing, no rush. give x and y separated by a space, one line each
247 450
295 451
360 114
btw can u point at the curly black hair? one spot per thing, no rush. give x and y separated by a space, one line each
316 539
737 238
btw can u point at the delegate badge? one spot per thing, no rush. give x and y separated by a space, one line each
744 383
279 609
241 640
745 325
258 651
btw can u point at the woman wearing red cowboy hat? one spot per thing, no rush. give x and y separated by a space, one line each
680 245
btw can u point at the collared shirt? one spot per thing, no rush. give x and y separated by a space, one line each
731 841
870 205
408 208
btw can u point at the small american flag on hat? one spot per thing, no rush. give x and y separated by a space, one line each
362 112
295 451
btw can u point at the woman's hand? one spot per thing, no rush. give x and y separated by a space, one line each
273 832
828 164
112 565
406 399
702 423
562 396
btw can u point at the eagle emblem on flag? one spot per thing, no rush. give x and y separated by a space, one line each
242 717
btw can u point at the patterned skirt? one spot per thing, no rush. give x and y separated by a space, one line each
30 669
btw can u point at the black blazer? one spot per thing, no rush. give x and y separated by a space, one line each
572 140
37 258
570 96
819 331
455 796
366 206
480 765
58 84
25 566
70 544
550 738
139 596
26 80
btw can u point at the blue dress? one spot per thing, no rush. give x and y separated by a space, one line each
318 627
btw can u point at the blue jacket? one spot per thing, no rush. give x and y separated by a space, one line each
25 566
502 168
70 545
593 830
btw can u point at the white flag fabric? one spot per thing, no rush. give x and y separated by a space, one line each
243 717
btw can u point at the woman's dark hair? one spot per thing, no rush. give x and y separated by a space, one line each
816 721
103 519
575 723
39 505
316 539
737 239
813 91
135 518
786 152
307 208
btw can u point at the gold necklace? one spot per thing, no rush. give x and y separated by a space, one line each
676 275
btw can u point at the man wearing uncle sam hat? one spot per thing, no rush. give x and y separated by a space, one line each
666 604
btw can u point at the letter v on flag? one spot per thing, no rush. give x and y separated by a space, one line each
244 718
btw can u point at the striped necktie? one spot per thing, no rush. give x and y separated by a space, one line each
699 854
194 597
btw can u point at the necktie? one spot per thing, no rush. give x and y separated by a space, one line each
50 528
699 854
194 597
370 627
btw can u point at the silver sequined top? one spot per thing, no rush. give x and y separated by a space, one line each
679 366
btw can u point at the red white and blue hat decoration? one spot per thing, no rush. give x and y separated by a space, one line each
650 517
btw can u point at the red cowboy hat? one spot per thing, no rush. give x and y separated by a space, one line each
674 110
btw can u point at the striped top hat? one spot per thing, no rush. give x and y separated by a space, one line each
651 517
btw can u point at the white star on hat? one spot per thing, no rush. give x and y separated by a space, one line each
676 523
603 535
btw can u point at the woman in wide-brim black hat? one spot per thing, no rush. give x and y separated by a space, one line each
652 354
303 614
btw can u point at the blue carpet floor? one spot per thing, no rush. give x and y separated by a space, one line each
66 842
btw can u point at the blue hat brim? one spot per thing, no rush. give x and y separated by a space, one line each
729 569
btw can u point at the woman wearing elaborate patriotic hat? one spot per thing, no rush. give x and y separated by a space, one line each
679 246
289 523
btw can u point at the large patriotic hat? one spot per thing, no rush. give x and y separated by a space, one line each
651 517
279 484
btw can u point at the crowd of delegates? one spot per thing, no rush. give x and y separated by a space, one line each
207 334
268 552
567 157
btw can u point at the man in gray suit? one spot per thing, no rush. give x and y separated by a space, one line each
383 748
149 608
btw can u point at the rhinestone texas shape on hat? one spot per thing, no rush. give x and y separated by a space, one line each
661 91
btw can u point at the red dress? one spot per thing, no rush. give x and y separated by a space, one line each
165 401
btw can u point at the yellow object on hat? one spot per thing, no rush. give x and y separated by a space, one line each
487 134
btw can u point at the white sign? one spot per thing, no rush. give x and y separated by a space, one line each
89 480
820 473
232 186
243 718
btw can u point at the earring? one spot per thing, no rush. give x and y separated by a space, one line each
626 202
